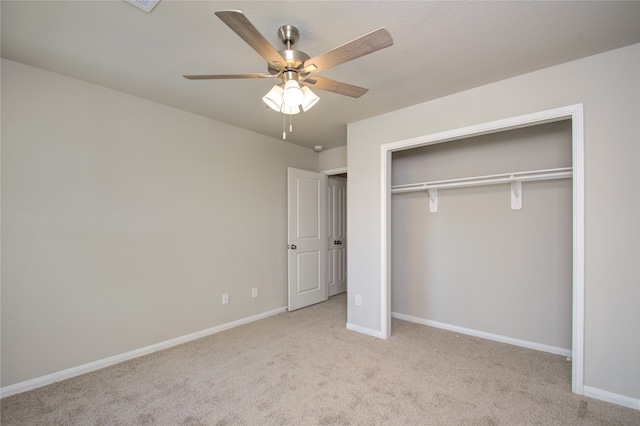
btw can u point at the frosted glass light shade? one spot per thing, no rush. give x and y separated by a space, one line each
273 99
310 99
292 95
290 110
277 97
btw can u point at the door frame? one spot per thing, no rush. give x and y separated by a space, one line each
338 171
575 113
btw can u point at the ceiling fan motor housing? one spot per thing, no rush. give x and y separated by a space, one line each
289 34
295 59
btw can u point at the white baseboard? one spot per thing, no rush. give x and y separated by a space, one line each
484 335
614 398
364 330
106 362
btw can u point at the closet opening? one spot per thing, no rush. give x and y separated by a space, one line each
483 232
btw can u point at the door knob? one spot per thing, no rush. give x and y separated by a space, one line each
293 247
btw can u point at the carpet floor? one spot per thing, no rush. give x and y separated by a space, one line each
305 368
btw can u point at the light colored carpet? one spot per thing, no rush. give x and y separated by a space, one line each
306 368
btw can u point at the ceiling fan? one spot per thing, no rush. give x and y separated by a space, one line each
296 69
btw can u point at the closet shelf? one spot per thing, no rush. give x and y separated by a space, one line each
515 179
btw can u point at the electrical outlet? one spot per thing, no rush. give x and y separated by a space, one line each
225 298
358 300
254 292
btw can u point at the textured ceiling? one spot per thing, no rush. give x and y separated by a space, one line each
439 48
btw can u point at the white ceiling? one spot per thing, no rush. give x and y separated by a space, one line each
439 48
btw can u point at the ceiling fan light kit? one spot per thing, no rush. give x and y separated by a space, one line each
310 99
273 98
293 66
292 95
290 110
276 99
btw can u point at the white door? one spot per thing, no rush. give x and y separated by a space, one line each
337 235
306 204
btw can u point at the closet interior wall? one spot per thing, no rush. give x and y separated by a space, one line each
476 263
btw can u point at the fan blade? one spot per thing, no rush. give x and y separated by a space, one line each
228 76
368 43
322 83
245 29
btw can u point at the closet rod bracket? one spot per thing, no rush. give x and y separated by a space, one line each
516 195
433 200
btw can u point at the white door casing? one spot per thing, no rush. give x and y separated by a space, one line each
337 235
307 247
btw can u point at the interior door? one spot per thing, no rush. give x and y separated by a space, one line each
337 235
306 205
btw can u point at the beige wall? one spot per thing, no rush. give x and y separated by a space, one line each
334 158
124 221
609 87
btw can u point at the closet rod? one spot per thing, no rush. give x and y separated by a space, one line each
559 173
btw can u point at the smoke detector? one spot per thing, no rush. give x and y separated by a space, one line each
146 5
318 148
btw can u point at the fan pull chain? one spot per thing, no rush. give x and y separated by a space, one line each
284 133
284 123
